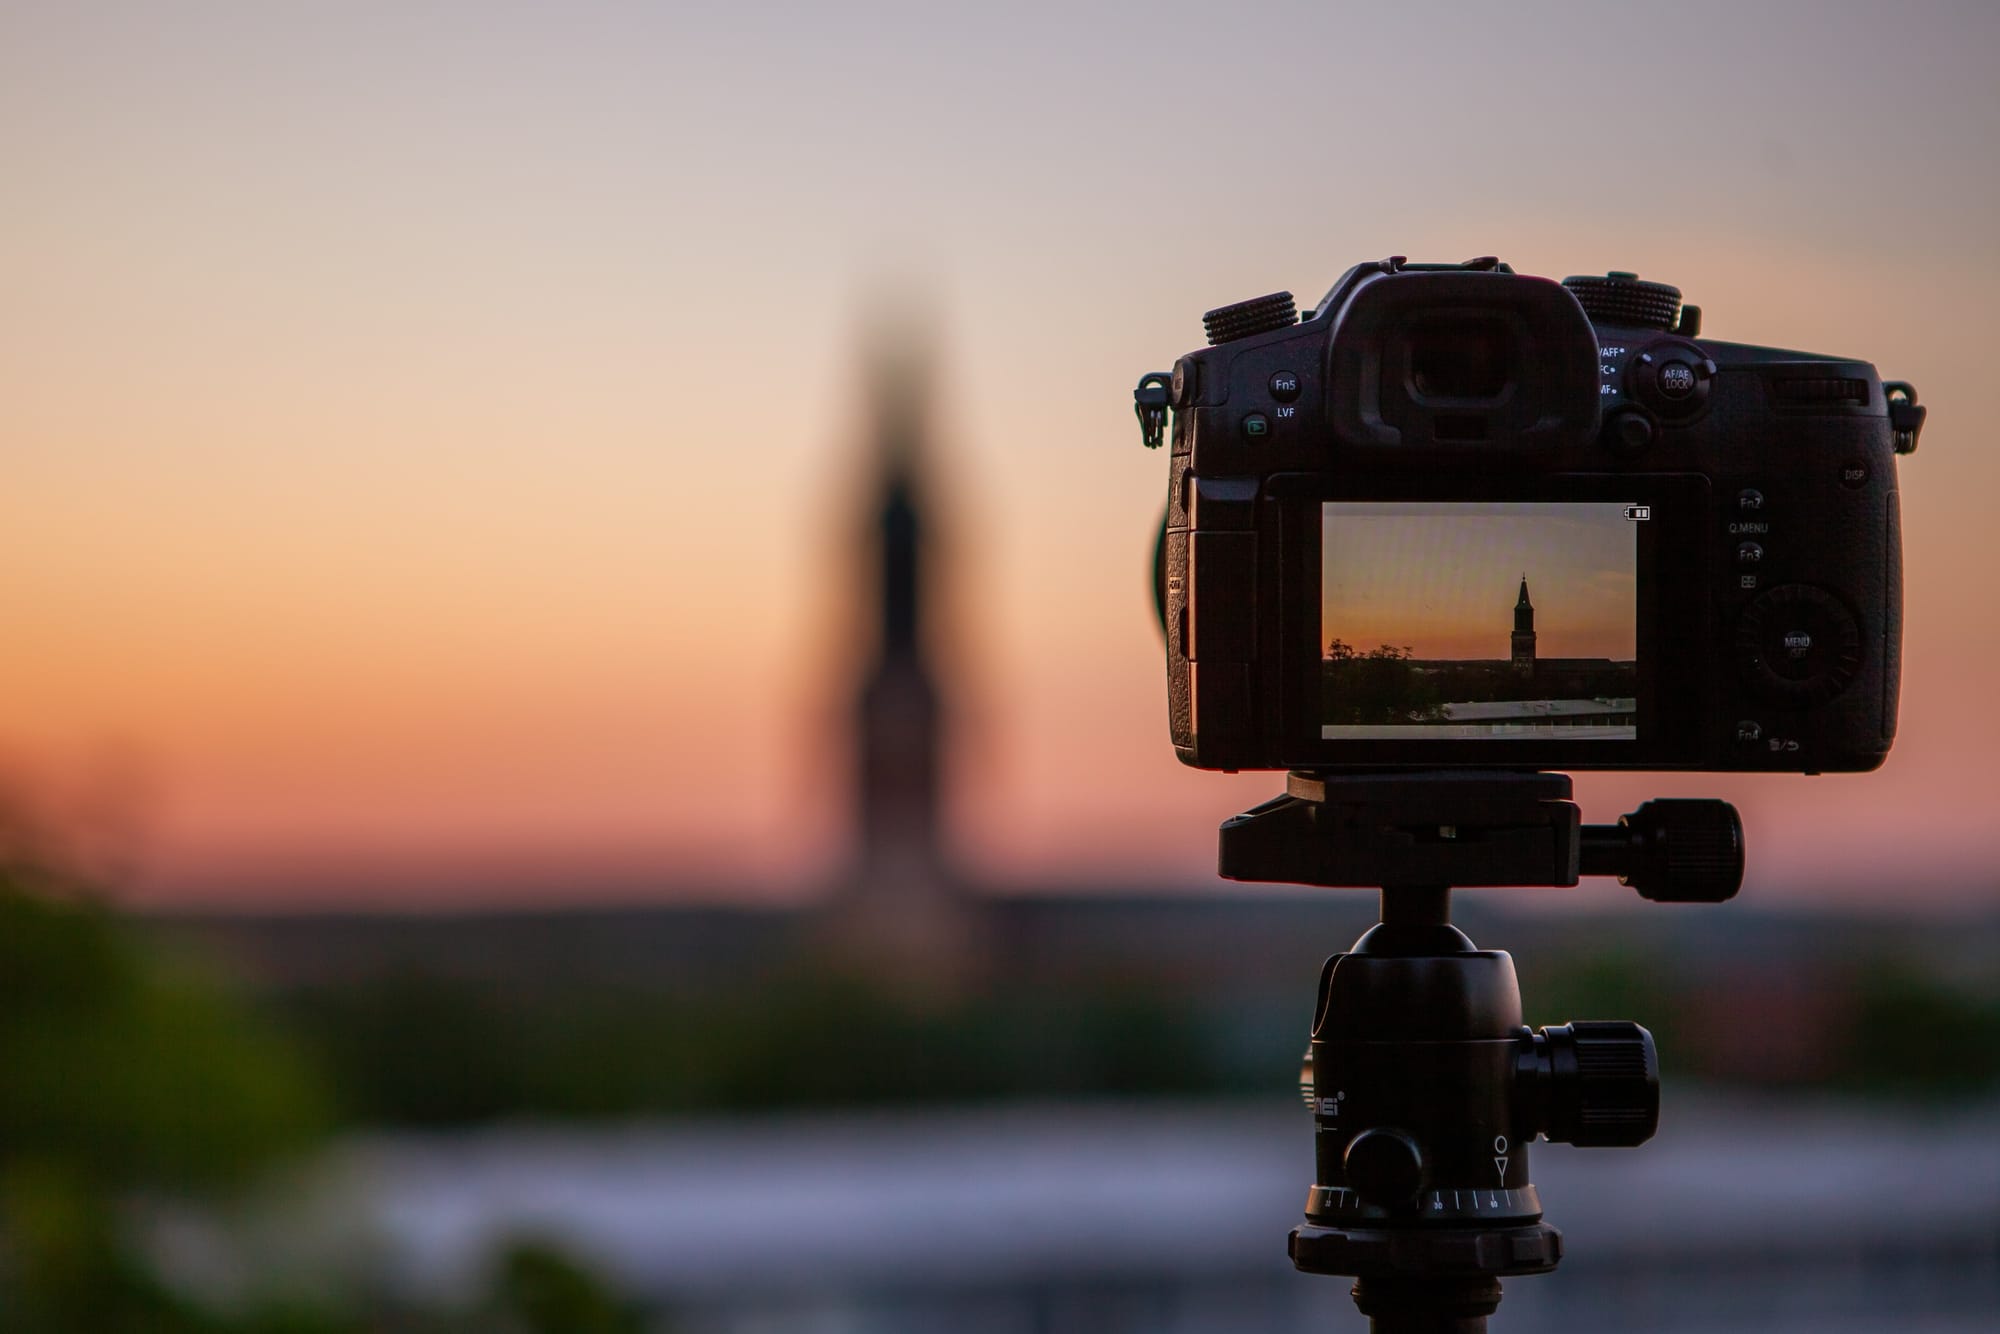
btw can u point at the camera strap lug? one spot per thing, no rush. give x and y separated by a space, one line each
1149 401
1906 416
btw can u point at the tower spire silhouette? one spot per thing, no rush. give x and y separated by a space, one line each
898 722
899 912
1523 655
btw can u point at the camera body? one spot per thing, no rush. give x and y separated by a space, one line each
1460 517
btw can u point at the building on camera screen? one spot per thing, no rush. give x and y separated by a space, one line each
1485 621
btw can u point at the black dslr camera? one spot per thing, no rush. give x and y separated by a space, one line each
1458 517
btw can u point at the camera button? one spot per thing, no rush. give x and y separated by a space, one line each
1256 426
1676 379
1750 499
1749 553
1285 386
1629 431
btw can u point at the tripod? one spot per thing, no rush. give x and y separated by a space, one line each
1424 1084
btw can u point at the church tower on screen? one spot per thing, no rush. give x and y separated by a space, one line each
1524 632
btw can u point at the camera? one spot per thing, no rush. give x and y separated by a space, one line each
1459 517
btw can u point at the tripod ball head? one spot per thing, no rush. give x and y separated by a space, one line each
1426 1089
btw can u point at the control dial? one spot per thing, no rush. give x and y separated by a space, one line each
1622 299
1798 645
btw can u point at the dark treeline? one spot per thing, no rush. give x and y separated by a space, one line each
426 1051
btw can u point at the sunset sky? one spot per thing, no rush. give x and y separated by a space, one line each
430 430
1443 582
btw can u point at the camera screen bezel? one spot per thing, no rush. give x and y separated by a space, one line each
1675 642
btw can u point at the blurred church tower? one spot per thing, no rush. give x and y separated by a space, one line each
899 914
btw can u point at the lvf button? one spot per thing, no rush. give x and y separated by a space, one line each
1256 426
1285 386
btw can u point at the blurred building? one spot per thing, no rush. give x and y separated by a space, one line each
899 909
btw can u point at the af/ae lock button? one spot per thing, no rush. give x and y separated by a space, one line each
1672 378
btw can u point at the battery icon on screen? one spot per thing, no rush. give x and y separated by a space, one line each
1638 513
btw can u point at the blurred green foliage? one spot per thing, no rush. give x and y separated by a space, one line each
427 1051
422 1050
129 1070
121 1073
1915 1035
538 1289
126 1074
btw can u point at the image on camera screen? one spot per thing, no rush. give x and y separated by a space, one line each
1479 621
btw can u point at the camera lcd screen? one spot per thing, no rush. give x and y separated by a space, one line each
1479 621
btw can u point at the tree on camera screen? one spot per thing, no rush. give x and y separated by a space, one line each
1479 621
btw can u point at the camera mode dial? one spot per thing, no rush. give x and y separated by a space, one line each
1226 324
1622 299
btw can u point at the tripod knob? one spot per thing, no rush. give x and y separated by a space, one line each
1603 1082
1672 850
1384 1167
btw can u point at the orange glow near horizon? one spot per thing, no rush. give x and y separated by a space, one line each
433 440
